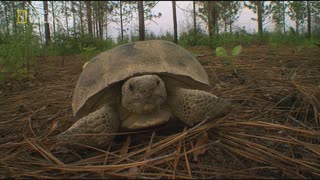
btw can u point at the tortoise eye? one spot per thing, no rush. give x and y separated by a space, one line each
131 87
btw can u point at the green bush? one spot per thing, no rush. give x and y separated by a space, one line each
230 40
17 51
89 41
190 38
62 44
290 38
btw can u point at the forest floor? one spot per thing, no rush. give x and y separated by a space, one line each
274 132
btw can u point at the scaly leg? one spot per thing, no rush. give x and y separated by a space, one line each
93 129
192 106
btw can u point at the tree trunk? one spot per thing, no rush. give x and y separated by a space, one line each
89 17
81 18
66 15
212 19
210 22
175 29
97 19
284 18
297 27
46 24
260 25
93 26
13 8
28 47
40 33
7 19
230 26
101 19
94 19
215 16
141 21
106 21
74 17
308 19
97 22
121 20
194 17
225 25
53 18
230 19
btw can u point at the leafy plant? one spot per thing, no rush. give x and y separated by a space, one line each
62 45
236 51
17 51
190 38
223 53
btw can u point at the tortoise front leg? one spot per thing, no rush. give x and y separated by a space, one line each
92 130
192 106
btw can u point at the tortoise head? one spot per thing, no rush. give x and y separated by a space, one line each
143 94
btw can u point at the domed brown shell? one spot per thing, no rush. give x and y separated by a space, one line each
107 71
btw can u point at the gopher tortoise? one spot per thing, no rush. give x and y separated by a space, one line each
139 85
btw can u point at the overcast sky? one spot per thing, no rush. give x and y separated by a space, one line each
165 22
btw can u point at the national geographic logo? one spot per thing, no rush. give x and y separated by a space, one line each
22 16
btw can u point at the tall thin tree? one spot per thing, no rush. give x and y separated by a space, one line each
66 16
73 10
141 21
13 9
175 28
194 17
210 20
278 15
94 18
46 24
6 14
259 10
308 19
89 17
262 9
297 12
284 17
101 15
121 20
53 18
122 13
81 18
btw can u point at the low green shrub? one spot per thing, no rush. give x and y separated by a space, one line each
17 52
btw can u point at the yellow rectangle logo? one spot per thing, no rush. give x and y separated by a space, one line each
22 16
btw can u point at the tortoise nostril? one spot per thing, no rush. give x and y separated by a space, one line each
131 87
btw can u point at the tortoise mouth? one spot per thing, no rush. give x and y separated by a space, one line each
148 108
140 121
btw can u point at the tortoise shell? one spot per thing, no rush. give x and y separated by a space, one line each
102 77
